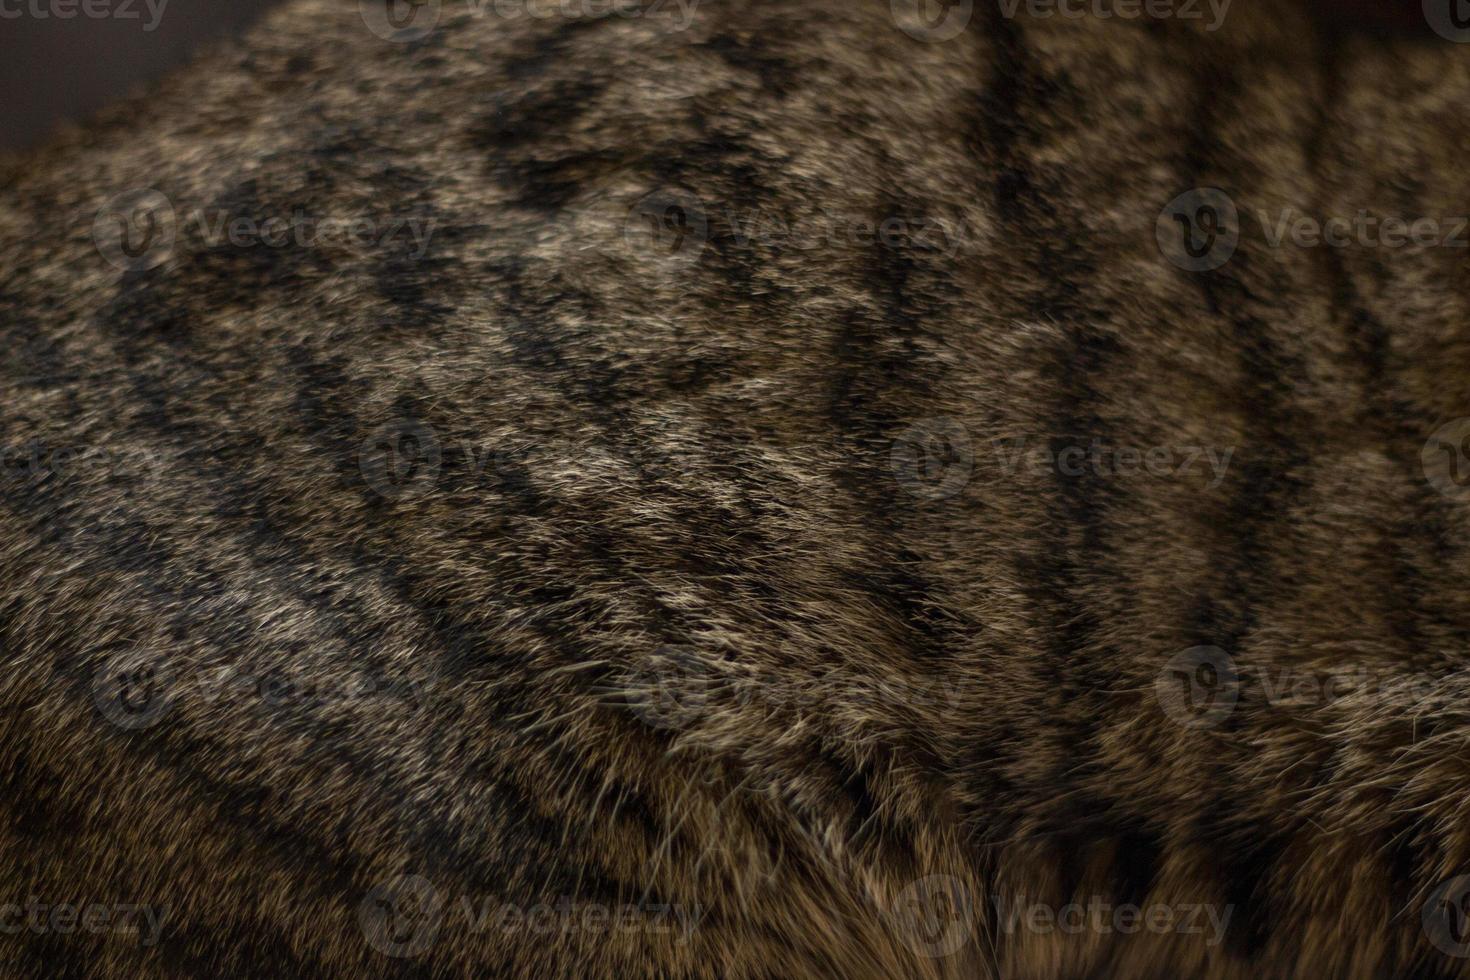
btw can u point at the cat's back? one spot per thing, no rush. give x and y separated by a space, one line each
737 489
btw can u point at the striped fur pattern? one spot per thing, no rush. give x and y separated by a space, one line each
646 546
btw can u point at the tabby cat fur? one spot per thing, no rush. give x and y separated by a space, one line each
751 490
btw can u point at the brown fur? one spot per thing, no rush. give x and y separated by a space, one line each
719 583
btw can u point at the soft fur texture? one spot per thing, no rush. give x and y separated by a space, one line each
668 602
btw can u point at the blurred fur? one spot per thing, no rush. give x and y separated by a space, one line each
668 624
